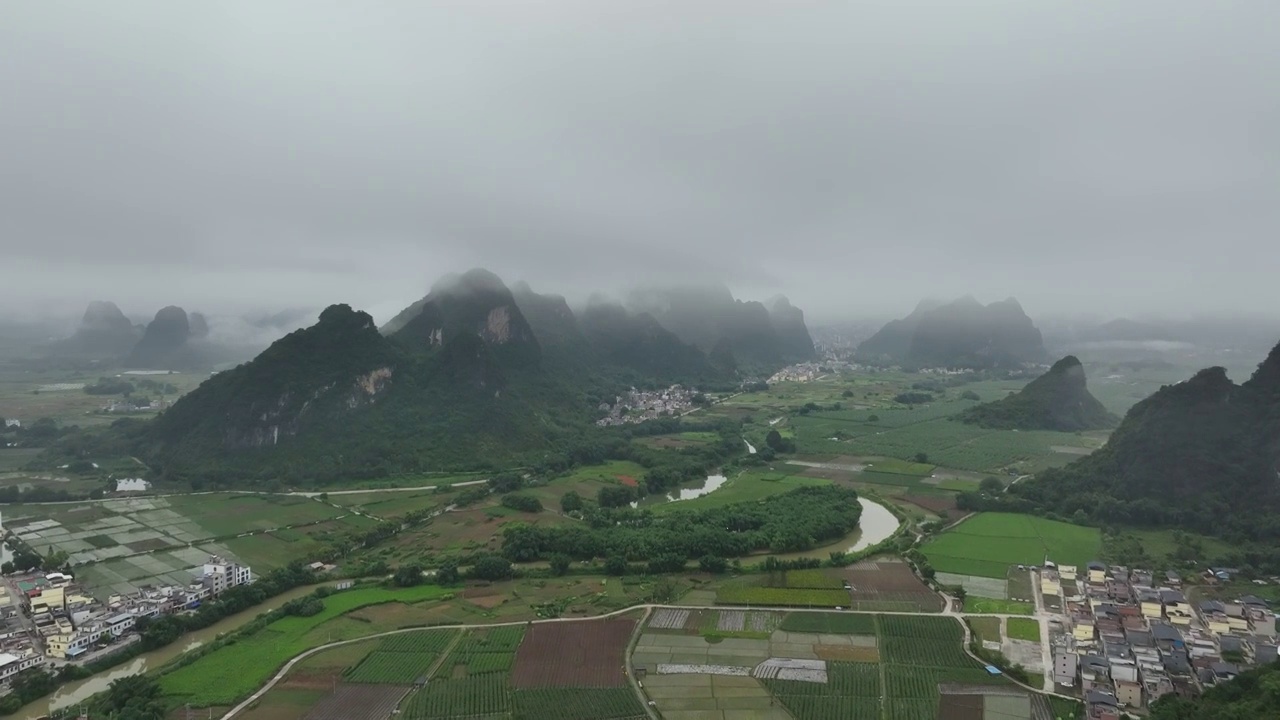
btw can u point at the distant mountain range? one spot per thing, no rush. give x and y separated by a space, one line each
960 334
751 335
1057 400
1201 455
473 375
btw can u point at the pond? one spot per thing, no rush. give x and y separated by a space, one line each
707 485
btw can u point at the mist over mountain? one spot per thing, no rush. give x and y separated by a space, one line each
471 376
710 318
960 334
164 344
1057 400
104 333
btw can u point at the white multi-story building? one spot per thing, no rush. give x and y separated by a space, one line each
220 575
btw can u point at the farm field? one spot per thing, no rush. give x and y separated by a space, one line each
224 676
815 666
571 670
889 586
869 586
902 433
986 544
402 659
1024 629
987 630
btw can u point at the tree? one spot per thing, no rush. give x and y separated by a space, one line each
7 568
615 565
571 501
873 418
491 567
611 496
970 395
990 486
447 573
712 564
408 575
523 503
921 457
846 394
559 564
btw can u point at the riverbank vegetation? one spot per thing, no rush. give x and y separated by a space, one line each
801 519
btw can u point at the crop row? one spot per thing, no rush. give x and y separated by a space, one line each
392 668
813 579
481 695
836 623
578 703
748 595
843 678
831 707
926 627
426 641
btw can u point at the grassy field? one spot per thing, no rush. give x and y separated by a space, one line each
229 673
995 606
986 629
988 543
747 486
1024 629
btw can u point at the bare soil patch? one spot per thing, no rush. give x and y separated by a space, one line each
890 582
586 653
359 702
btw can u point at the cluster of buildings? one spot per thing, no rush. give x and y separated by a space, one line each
1129 637
804 372
637 406
51 619
126 405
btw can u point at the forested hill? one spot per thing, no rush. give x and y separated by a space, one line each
470 377
961 334
1057 400
339 399
1253 695
1200 455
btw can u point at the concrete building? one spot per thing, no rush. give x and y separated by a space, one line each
220 575
1065 664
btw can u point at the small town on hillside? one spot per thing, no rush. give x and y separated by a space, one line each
637 406
48 619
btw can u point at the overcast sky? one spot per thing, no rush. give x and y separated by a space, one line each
1108 157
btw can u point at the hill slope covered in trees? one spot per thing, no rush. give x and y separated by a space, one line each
1057 400
1201 455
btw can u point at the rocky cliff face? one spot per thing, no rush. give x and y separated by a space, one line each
477 303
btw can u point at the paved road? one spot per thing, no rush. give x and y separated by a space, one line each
647 608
